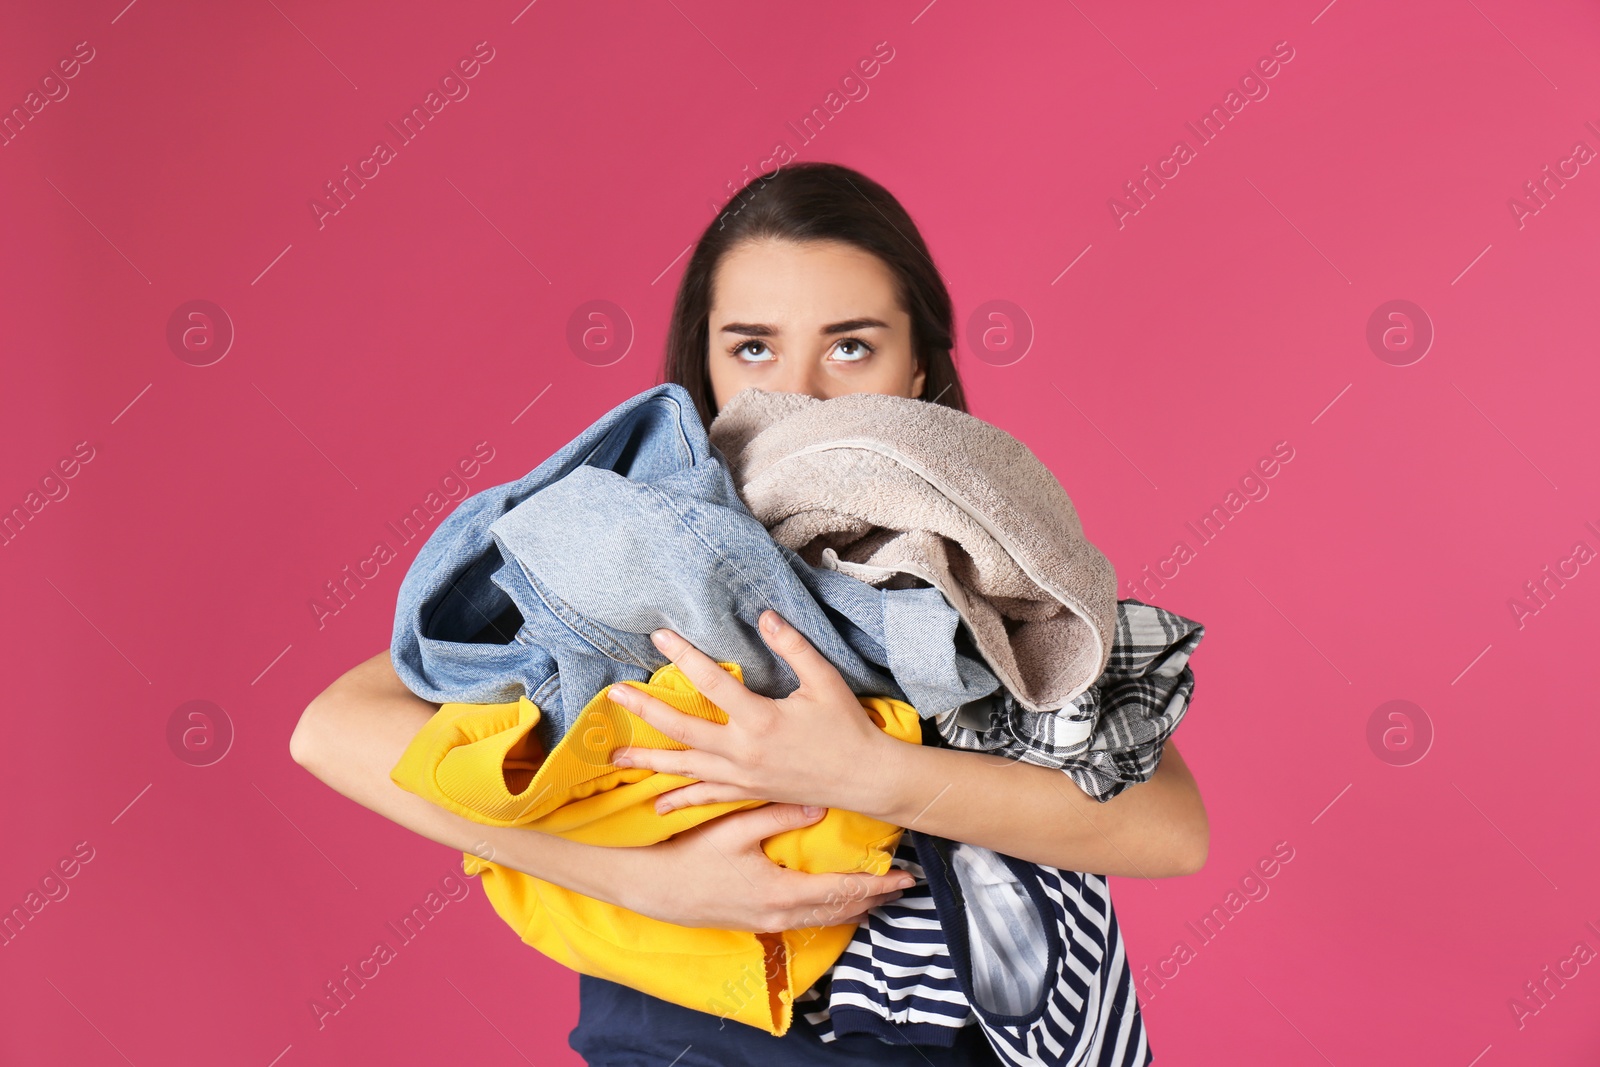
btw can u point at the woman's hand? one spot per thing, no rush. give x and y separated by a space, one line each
716 875
815 746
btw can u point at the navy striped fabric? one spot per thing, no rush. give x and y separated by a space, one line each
895 980
907 976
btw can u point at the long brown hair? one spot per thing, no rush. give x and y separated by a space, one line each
813 201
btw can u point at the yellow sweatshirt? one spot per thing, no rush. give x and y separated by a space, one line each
482 761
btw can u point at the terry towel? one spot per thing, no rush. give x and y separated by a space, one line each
893 490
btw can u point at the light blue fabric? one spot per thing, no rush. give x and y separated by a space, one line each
632 525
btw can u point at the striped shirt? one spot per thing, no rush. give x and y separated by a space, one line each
1032 954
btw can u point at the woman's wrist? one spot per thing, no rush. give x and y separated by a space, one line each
874 781
902 785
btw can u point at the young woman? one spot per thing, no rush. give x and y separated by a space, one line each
812 280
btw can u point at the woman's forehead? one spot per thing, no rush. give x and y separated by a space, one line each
806 285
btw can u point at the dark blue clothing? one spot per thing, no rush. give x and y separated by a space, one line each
622 1027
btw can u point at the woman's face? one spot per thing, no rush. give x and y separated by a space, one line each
813 317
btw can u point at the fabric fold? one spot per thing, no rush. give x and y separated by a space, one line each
548 586
1112 734
889 485
479 762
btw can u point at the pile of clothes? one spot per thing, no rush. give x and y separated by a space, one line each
935 562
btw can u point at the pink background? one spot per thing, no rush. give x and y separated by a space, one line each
1229 314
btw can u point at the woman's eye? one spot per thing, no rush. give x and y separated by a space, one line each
850 350
854 349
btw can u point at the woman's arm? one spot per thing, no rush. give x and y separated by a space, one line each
353 734
815 746
1154 829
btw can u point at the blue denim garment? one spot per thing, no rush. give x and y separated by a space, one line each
550 585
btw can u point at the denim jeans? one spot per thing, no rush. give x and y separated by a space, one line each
550 585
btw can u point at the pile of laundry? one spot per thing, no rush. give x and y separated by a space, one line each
934 561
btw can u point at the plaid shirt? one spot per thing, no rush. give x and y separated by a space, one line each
1133 708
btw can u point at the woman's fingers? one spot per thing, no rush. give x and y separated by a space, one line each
712 680
683 762
843 898
699 793
744 831
816 673
682 727
703 767
805 900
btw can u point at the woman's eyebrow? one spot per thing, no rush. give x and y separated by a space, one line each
758 329
849 325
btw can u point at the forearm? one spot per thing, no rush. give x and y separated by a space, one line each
1154 829
353 734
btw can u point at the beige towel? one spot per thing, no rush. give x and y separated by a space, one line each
892 490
